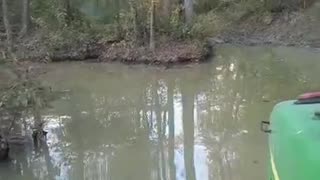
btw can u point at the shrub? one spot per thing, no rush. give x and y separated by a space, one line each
209 24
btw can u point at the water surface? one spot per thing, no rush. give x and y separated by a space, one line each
201 122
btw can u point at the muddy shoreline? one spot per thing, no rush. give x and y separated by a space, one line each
167 53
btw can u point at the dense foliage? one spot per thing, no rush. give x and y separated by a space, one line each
130 19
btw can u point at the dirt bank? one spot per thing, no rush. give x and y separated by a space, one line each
298 28
170 53
166 53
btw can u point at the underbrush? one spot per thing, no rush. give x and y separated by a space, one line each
54 30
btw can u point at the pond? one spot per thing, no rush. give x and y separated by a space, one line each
117 122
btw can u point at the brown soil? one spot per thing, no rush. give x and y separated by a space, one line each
167 53
296 28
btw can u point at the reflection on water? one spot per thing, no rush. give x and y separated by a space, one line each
136 123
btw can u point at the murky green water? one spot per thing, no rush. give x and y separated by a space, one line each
198 122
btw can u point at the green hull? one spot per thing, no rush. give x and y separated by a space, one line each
295 142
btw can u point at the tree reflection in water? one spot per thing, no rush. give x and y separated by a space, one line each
127 123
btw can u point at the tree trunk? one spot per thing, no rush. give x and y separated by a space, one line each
134 10
69 15
117 19
7 25
25 17
166 9
152 43
188 10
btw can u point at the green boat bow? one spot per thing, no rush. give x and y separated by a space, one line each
294 139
